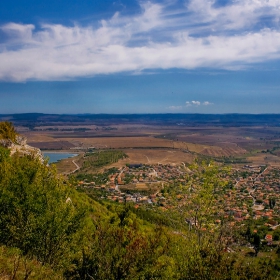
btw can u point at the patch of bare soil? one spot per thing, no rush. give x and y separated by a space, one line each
121 142
53 145
263 158
148 156
224 150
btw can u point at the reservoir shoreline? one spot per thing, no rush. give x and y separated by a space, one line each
55 156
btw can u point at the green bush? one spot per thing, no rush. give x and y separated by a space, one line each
7 131
34 213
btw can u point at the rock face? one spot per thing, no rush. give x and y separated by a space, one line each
6 143
21 147
21 140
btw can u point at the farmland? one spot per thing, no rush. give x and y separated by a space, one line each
168 147
152 139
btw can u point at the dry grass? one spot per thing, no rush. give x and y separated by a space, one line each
229 150
135 156
150 187
66 165
141 186
121 142
261 158
149 156
38 137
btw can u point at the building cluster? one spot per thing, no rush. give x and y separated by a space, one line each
253 192
129 183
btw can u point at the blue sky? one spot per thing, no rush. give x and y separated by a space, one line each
193 56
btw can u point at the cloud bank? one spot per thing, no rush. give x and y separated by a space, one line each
201 33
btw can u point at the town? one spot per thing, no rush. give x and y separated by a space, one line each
251 192
138 183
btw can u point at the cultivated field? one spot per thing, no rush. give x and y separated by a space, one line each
164 144
158 156
135 156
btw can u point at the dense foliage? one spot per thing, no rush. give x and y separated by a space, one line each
35 214
7 131
102 158
98 178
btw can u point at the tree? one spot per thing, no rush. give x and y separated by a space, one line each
272 203
7 131
34 214
4 154
123 248
256 243
205 184
201 239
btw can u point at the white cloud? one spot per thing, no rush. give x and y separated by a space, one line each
237 14
198 103
206 103
195 103
160 37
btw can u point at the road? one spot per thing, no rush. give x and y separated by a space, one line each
254 200
117 186
147 159
77 168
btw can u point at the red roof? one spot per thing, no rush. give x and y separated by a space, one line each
268 237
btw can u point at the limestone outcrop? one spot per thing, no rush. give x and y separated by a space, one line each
20 146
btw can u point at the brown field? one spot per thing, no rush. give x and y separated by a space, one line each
224 148
53 145
135 156
151 187
38 137
159 156
264 159
161 144
122 142
141 186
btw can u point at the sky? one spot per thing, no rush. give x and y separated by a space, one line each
126 56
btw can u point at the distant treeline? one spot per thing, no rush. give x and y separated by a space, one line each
102 158
34 119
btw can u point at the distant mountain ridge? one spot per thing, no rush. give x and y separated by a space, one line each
35 119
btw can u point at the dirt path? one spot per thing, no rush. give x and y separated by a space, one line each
77 168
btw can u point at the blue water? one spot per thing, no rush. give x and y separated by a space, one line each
55 157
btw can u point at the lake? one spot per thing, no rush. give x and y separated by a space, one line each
55 157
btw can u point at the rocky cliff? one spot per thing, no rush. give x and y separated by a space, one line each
20 146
